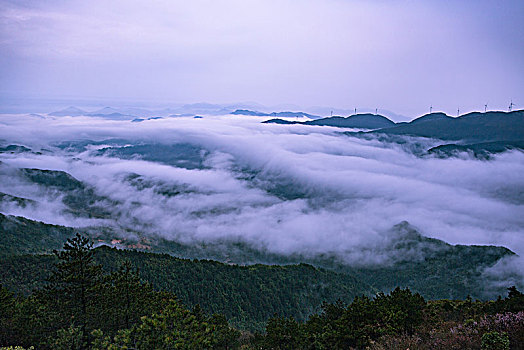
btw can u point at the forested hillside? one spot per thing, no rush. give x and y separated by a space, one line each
247 295
85 305
440 270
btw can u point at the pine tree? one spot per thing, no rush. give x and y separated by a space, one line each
127 298
75 284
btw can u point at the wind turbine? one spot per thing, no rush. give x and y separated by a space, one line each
485 107
355 110
458 112
511 104
430 109
376 110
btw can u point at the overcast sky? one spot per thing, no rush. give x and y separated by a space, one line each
398 55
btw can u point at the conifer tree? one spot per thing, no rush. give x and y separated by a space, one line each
75 284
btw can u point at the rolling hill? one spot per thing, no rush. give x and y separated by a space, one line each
357 121
470 128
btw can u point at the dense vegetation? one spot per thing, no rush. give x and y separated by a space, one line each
482 150
403 320
21 235
246 295
440 271
480 134
83 307
473 127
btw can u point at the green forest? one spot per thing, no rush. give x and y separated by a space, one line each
440 271
104 298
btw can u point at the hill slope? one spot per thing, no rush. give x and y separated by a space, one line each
473 127
430 266
247 295
358 121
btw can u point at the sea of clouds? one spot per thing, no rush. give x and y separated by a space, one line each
282 188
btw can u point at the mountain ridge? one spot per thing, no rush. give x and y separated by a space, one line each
357 121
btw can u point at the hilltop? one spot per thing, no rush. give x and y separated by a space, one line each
357 121
471 128
285 114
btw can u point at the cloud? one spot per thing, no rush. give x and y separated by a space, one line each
282 188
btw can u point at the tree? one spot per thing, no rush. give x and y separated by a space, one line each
7 309
495 341
400 311
71 338
126 292
126 298
178 328
74 286
282 333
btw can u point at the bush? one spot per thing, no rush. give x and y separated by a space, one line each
495 341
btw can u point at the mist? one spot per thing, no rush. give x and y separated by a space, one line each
285 189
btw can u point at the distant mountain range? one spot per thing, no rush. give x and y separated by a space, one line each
357 121
187 110
479 133
275 114
471 127
142 113
70 111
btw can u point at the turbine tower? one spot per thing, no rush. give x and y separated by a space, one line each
430 109
355 110
458 112
511 104
376 110
485 107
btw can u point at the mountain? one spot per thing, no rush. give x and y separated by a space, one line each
431 117
111 113
281 121
6 199
482 150
36 115
251 113
286 114
358 121
247 295
182 155
24 236
104 111
70 111
203 108
295 115
14 149
139 120
138 112
434 268
470 128
429 266
79 198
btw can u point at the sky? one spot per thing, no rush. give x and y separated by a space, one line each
399 55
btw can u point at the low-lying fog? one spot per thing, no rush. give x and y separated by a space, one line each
285 188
